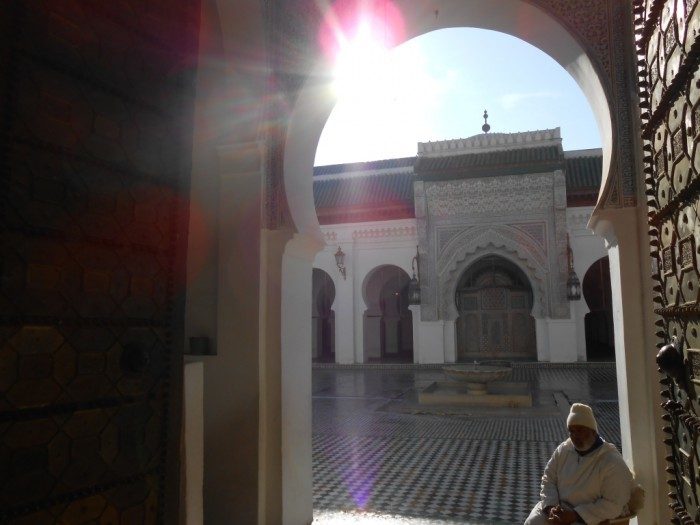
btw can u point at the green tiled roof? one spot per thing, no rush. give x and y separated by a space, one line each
502 162
584 173
372 165
363 191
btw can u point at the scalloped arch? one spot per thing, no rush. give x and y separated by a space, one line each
494 241
498 235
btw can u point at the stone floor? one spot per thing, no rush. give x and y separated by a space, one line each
380 457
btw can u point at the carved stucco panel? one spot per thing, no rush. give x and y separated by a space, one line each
426 268
590 21
445 235
537 231
511 193
604 31
559 264
536 250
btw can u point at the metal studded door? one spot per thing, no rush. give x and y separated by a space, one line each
669 78
95 104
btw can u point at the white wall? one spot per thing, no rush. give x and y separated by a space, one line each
369 245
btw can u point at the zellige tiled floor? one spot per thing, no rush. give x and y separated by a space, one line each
380 457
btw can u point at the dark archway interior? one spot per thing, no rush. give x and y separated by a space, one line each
322 318
494 301
600 334
388 323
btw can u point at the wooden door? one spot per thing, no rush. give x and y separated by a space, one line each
96 101
669 81
495 322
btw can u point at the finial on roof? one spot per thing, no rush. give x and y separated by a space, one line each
485 128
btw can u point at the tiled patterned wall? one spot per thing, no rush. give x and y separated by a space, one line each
97 101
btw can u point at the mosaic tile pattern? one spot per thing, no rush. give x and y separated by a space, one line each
371 454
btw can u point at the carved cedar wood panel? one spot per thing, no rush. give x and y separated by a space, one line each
96 103
669 85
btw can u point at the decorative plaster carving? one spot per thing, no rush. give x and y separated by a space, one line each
472 239
603 29
578 219
536 230
445 235
330 237
559 190
492 234
381 233
509 193
490 142
589 21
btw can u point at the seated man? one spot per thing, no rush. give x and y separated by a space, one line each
586 480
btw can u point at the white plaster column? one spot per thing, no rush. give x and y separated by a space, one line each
359 306
297 492
562 347
273 243
579 309
634 349
432 342
448 337
415 317
542 336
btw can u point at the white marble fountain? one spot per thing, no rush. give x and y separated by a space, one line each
477 385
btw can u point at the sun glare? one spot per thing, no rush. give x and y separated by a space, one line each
395 86
361 64
393 94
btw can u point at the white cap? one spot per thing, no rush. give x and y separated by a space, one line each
581 414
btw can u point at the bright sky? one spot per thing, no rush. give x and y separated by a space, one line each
436 87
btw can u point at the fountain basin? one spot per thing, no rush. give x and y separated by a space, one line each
475 377
477 373
477 385
498 395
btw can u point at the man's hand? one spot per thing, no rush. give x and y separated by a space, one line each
560 516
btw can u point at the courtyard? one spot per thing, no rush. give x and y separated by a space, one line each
381 457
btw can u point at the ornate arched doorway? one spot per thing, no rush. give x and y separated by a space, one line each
322 318
600 335
388 323
494 302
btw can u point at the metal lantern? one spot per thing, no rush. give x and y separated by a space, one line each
414 283
414 291
340 262
573 287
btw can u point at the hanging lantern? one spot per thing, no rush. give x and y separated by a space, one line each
573 285
414 284
340 262
413 291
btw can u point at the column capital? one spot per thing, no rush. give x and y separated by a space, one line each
304 247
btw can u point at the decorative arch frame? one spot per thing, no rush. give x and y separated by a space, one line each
606 89
316 100
368 276
471 246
